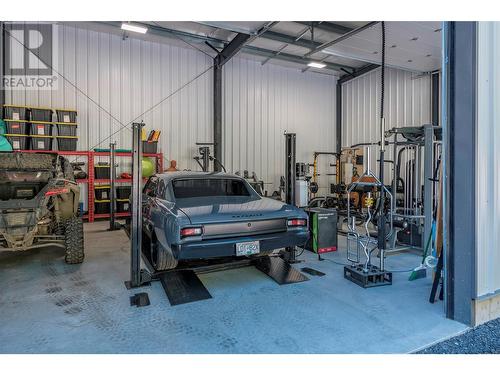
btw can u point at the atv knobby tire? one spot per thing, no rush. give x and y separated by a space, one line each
73 240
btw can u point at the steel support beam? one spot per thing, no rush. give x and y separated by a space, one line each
338 119
291 58
351 33
223 57
358 72
218 43
435 98
327 26
231 49
459 125
288 39
217 115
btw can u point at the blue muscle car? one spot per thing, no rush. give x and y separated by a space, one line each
199 215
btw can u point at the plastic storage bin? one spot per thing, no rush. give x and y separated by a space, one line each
102 192
66 129
41 114
149 147
16 126
123 192
101 207
102 171
40 128
122 205
66 115
13 112
41 143
66 143
19 142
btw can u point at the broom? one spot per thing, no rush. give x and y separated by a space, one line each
420 272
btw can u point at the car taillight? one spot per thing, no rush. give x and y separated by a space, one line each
296 222
188 232
56 191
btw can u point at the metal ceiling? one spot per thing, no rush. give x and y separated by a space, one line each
344 47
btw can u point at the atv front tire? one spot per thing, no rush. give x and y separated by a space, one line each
73 240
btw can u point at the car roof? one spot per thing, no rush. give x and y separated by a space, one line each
169 176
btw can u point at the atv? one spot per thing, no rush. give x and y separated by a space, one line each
39 201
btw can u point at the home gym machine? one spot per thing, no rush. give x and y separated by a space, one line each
417 155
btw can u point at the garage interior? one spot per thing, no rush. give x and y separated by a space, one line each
298 110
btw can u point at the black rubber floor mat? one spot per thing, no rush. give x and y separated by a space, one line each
183 286
312 271
279 270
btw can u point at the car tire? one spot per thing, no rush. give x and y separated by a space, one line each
73 241
162 258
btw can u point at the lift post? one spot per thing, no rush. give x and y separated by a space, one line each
138 276
290 161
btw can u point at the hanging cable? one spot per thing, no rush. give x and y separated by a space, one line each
382 73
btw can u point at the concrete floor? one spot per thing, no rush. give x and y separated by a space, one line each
47 306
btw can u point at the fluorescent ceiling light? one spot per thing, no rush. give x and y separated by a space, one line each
134 28
318 65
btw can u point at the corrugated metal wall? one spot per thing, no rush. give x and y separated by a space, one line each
407 103
488 159
261 103
128 77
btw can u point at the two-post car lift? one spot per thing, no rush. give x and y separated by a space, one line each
182 284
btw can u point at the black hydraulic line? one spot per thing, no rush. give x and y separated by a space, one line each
201 165
218 162
381 222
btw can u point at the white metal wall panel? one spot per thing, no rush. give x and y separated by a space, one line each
261 103
407 103
127 78
488 159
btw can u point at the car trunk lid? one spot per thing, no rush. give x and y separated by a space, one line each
236 216
232 209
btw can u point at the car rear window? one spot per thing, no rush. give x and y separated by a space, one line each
215 187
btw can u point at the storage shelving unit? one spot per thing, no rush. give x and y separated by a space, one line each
90 181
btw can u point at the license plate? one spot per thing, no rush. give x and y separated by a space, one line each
247 248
